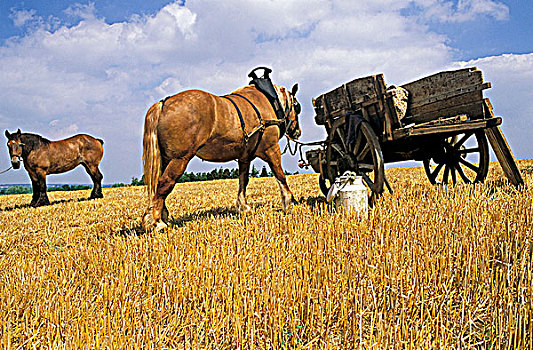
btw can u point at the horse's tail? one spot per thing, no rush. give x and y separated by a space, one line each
151 152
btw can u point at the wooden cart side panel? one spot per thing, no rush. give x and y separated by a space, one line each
348 97
446 94
363 89
470 104
442 82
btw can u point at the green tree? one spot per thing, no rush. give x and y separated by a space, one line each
136 182
255 172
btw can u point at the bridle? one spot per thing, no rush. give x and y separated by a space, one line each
19 144
289 106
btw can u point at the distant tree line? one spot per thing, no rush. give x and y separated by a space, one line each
28 189
215 174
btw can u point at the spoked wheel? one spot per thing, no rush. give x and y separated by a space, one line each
363 156
464 157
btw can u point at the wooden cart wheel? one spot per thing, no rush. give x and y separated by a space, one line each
464 157
364 157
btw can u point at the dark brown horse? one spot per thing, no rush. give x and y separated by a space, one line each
197 123
42 157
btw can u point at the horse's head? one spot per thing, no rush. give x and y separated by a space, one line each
14 144
292 109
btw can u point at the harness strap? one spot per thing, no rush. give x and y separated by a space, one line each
260 128
241 119
281 123
253 106
276 122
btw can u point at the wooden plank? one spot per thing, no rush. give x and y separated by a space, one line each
350 96
502 150
447 128
449 94
363 89
443 82
446 94
470 104
505 156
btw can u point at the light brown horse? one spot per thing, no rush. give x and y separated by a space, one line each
42 157
197 123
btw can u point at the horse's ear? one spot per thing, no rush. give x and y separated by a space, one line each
8 135
19 132
294 89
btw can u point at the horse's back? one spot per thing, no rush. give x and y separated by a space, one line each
89 148
186 120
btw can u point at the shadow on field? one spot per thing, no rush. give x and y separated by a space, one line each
502 185
181 221
220 211
62 201
312 201
138 229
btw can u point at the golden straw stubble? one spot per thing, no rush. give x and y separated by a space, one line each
431 267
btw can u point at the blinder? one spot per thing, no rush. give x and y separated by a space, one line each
289 122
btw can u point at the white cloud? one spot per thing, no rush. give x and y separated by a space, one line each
102 77
462 11
22 17
510 95
86 12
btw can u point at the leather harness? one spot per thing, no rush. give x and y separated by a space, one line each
260 127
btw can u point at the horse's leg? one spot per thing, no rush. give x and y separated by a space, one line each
42 196
167 181
164 211
273 157
96 177
34 186
35 190
244 169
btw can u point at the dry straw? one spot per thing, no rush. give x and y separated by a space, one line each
436 267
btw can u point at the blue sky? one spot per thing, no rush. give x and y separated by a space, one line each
96 67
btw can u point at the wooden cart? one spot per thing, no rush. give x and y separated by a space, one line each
445 122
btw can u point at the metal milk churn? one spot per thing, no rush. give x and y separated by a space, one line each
349 194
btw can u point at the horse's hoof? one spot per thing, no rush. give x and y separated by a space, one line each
244 208
288 208
164 215
148 221
160 226
150 224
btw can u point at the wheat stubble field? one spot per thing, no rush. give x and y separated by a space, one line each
433 267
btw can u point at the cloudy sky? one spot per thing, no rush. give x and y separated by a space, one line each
95 67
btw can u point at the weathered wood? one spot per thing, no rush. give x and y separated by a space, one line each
442 83
449 94
469 105
502 150
446 94
362 89
349 97
455 128
367 95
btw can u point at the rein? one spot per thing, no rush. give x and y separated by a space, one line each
5 171
298 149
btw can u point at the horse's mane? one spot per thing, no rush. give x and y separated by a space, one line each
33 141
